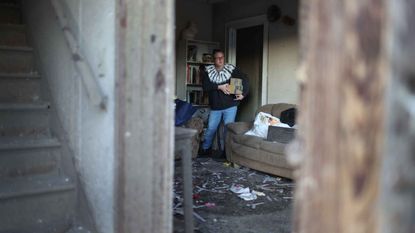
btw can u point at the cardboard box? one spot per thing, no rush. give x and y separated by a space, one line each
236 86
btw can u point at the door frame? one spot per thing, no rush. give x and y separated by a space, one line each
230 40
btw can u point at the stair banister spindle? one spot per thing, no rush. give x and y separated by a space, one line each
94 90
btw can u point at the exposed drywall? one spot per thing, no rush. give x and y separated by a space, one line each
90 130
282 43
197 11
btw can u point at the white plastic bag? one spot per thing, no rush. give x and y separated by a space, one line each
261 123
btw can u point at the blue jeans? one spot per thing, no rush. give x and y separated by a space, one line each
215 117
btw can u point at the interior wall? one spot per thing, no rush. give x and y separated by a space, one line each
283 43
197 11
89 129
282 64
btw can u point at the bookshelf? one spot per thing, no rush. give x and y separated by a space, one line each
191 54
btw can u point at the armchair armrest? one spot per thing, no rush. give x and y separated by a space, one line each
239 127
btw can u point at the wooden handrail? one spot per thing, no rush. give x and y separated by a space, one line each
94 90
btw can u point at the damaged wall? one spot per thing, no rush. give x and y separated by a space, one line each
90 129
198 12
282 39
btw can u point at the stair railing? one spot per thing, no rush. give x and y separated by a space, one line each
92 86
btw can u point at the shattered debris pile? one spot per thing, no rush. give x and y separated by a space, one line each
224 196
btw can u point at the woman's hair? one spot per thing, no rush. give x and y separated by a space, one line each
215 51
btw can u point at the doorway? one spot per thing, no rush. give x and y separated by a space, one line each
247 49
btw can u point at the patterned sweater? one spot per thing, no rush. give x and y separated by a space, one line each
212 78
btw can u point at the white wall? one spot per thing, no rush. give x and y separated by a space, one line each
283 43
282 64
90 130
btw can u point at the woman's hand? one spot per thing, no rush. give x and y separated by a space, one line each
239 97
224 88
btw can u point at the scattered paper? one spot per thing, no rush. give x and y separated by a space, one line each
248 196
261 194
239 189
254 205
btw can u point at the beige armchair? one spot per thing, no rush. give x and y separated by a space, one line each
255 152
197 124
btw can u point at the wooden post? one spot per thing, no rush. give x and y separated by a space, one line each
342 113
398 175
144 116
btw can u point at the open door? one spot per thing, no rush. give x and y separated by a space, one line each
247 49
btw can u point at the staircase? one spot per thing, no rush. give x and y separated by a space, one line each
35 194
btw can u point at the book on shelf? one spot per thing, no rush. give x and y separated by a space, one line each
235 86
193 75
200 51
205 98
191 52
197 97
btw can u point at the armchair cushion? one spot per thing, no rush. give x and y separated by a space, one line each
275 109
197 124
256 152
239 127
248 140
273 147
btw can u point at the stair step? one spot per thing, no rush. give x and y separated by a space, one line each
78 229
22 157
13 35
23 163
35 197
16 59
33 185
26 76
24 120
37 204
10 13
16 48
16 88
24 106
25 143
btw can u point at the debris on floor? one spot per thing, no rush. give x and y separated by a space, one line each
228 199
